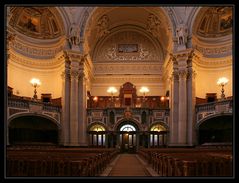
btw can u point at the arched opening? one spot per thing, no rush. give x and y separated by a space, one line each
216 130
157 136
128 138
32 130
97 136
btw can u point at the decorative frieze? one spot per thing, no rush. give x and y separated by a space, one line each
215 52
32 51
139 48
128 69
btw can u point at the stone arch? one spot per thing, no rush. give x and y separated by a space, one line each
33 128
97 123
124 121
210 117
34 114
216 128
161 123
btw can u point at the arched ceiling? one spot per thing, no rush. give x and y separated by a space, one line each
149 20
212 31
215 22
37 22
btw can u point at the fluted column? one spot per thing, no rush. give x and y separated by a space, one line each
65 104
74 104
174 108
182 108
174 104
191 103
82 106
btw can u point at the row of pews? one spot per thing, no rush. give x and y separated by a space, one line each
189 161
56 161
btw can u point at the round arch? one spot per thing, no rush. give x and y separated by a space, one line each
33 129
95 124
216 128
161 123
125 121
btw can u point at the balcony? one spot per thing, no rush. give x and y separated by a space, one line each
213 108
19 105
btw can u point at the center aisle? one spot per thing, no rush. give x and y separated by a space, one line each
126 165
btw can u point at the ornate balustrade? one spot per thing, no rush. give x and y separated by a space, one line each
212 108
26 105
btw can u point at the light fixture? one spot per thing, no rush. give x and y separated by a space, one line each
112 90
222 82
95 98
144 90
35 83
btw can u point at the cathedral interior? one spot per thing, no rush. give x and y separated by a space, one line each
91 89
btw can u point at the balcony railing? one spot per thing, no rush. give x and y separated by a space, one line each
211 108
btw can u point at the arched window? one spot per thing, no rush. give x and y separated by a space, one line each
112 117
157 135
158 128
127 128
97 128
97 135
143 117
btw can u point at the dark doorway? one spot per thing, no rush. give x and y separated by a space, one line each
217 129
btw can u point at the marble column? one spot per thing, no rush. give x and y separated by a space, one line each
182 108
65 120
82 104
174 102
74 104
191 104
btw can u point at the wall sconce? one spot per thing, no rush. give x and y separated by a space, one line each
222 82
35 83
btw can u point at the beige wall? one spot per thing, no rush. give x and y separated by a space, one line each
19 79
206 81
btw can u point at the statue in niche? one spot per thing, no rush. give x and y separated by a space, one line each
181 33
74 35
153 24
103 25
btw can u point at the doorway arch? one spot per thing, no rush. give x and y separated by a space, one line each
127 135
217 128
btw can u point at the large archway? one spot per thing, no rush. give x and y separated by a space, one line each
217 129
32 130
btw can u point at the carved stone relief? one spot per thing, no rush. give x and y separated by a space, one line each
127 46
153 25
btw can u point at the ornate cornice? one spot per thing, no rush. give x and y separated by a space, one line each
35 63
140 79
37 51
128 69
74 56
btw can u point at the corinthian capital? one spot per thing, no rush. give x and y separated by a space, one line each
74 74
182 74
